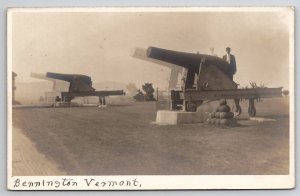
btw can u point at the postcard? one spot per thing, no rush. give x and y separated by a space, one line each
154 98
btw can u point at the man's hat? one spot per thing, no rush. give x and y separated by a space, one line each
228 48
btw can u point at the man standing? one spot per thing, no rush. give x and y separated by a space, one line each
231 60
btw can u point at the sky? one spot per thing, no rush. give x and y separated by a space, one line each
100 44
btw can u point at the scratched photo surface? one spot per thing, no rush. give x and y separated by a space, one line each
91 93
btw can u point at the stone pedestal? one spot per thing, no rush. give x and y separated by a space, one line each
65 104
61 104
166 117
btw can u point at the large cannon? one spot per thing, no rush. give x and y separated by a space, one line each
207 78
78 83
81 86
203 72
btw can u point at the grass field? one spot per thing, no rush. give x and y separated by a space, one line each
122 140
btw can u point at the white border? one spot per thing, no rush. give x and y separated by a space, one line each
9 95
154 9
160 181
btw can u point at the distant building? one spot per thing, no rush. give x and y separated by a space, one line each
14 102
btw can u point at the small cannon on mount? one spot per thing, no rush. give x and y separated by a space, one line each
207 79
81 86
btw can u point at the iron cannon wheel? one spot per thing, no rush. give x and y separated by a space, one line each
191 106
251 111
237 110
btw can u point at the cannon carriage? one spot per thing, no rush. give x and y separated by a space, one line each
81 86
207 78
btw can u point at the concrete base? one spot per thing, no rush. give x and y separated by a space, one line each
61 104
65 104
166 117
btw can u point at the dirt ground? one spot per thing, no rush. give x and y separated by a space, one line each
122 140
28 161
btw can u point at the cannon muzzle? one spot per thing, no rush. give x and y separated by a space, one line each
69 77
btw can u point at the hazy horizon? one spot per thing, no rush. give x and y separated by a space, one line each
99 44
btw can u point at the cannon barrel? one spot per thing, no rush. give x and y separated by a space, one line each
41 76
69 77
187 60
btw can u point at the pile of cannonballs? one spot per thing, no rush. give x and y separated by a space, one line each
222 115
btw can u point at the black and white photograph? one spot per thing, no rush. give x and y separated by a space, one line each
138 98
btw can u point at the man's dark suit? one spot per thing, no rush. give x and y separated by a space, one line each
232 64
